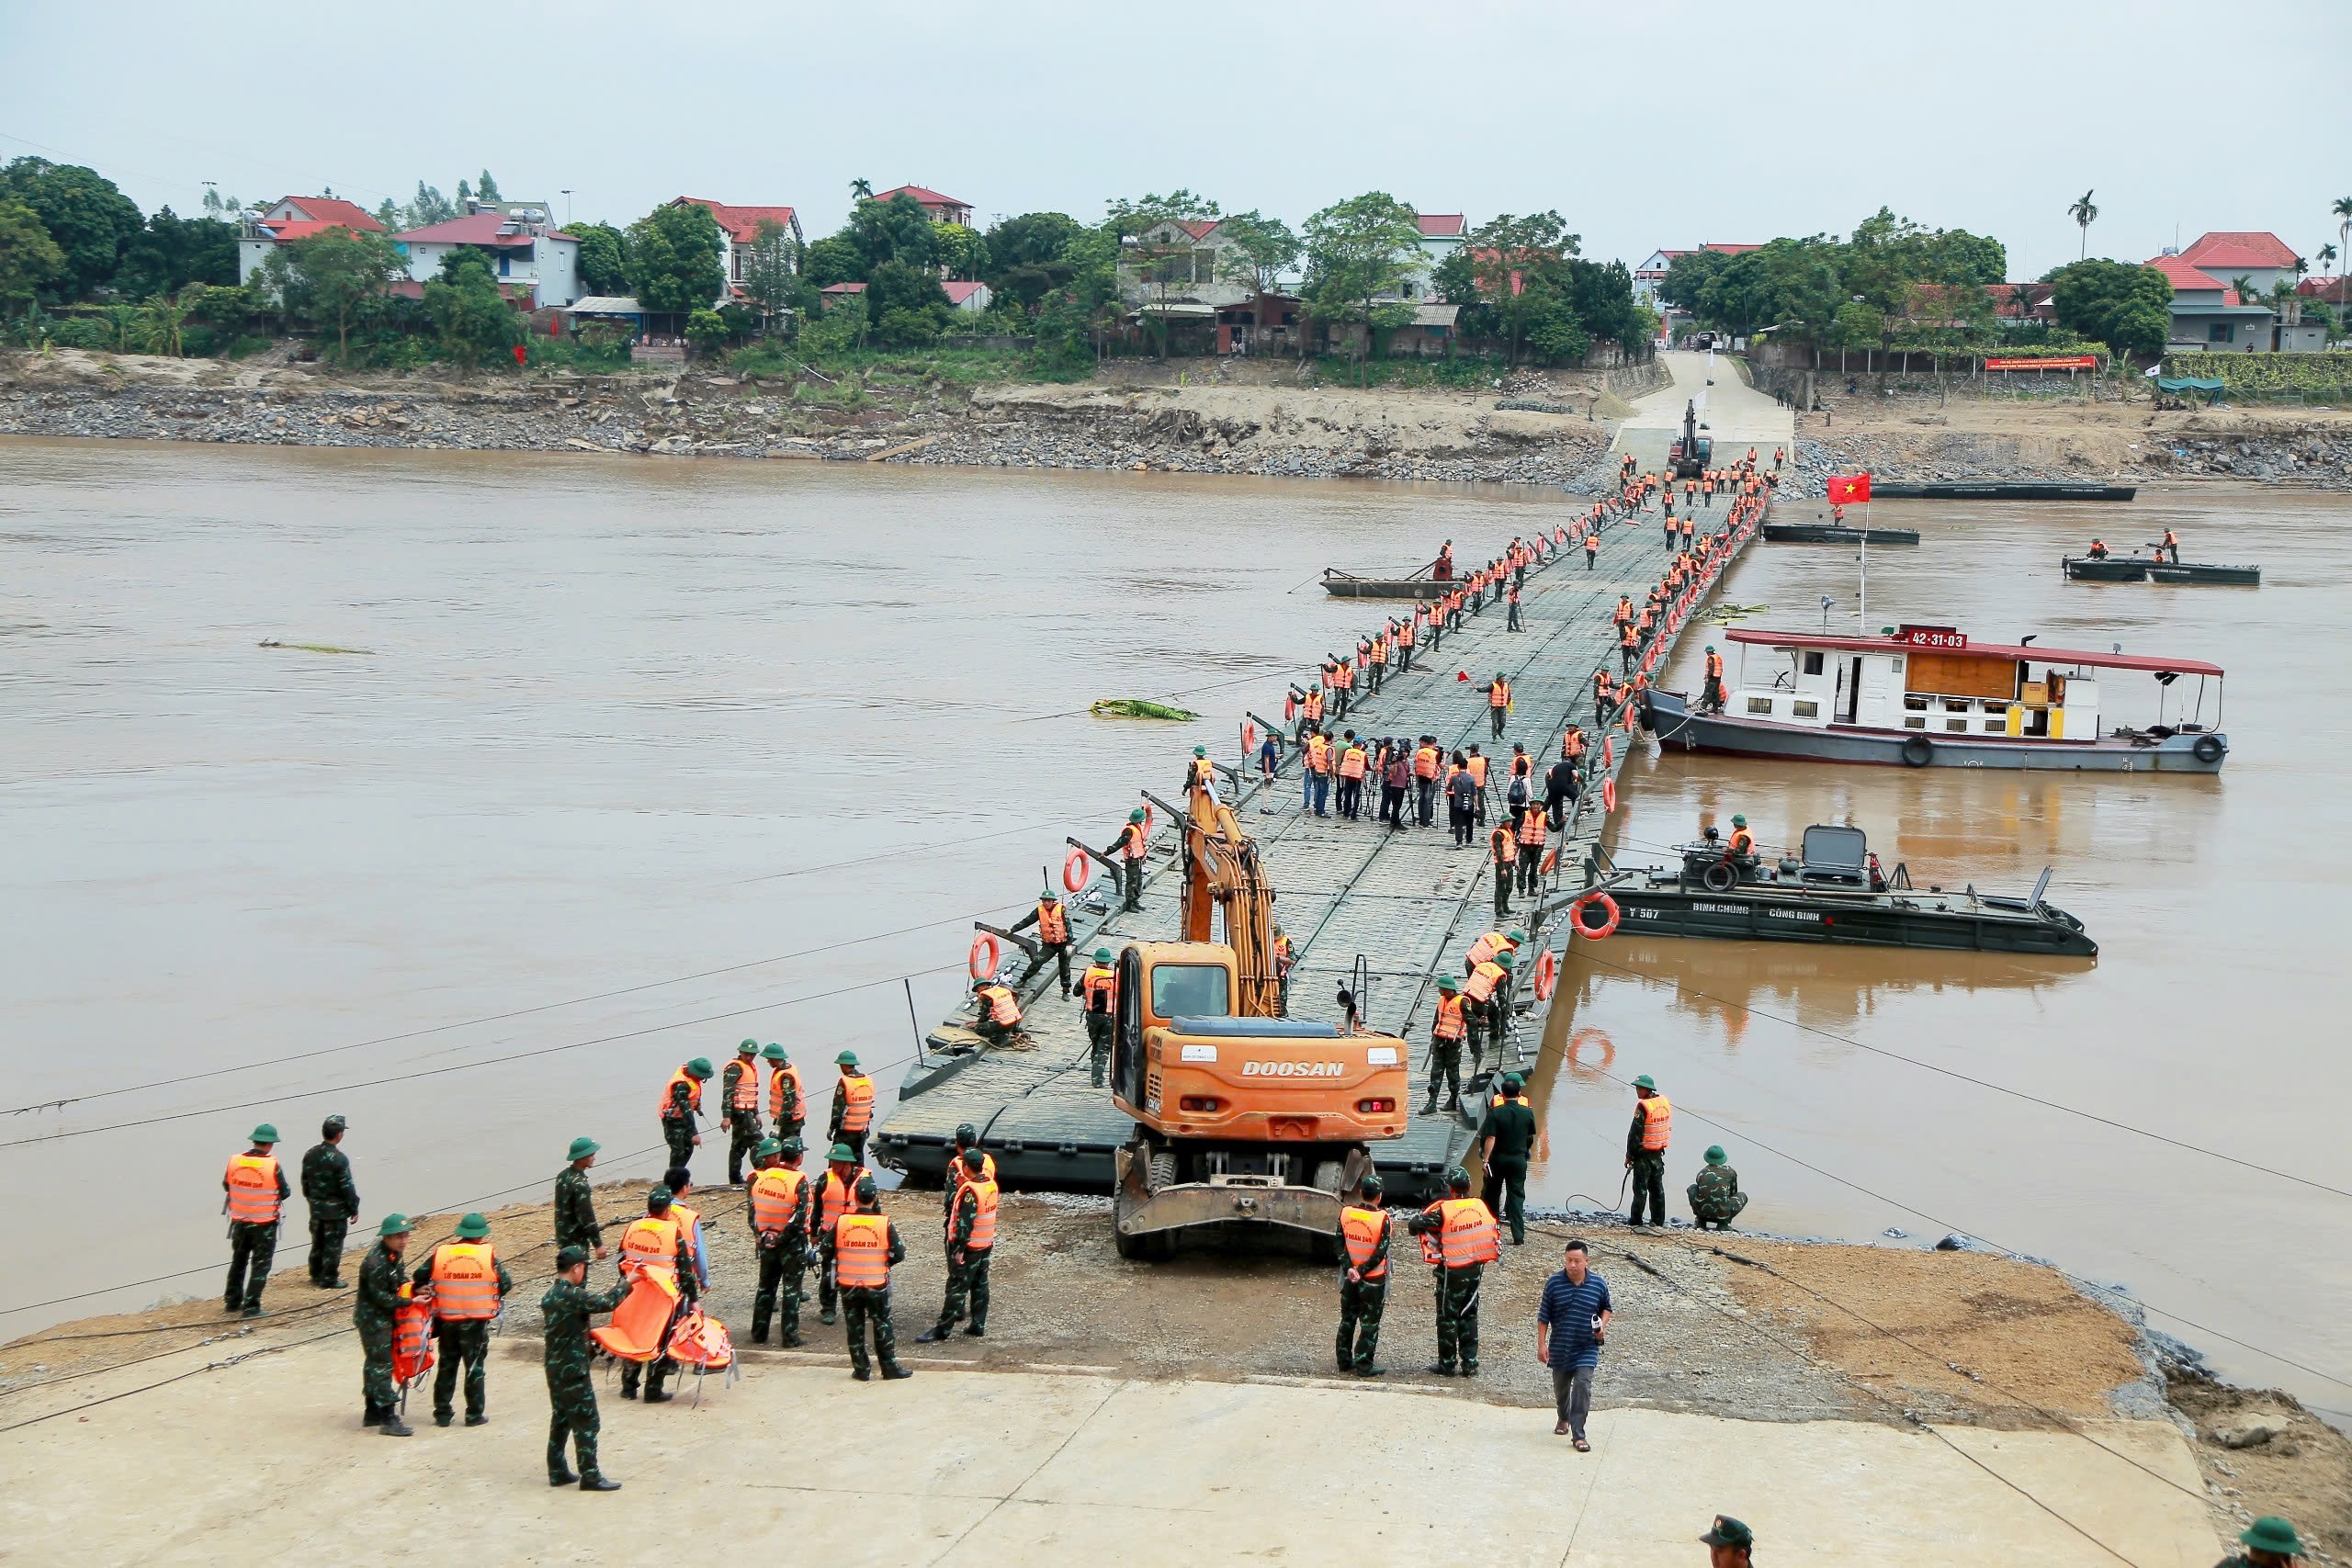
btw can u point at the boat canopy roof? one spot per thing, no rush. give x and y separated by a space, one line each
2018 651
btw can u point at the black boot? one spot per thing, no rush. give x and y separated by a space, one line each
598 1484
892 1371
373 1416
975 1330
933 1335
392 1425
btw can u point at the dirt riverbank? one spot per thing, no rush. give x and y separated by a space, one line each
1739 1326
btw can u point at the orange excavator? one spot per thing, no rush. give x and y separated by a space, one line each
1242 1116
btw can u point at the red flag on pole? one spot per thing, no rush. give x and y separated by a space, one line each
1848 489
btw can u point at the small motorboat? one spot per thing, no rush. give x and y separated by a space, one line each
1346 585
1836 533
2105 569
2204 571
1834 890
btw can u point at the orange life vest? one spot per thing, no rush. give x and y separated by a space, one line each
1483 980
776 1080
1379 654
1314 705
465 1282
1319 755
745 1096
651 1242
1499 694
1469 1235
1624 609
1573 746
1657 1118
1743 843
1478 770
983 1193
1448 1023
253 1189
1486 947
1352 763
833 1195
862 1252
857 1097
1053 920
775 1196
1136 840
1499 842
1425 762
1100 988
959 1174
1531 827
1003 1009
1363 1229
694 1093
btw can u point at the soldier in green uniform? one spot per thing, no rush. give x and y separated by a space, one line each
1647 1164
864 1304
783 1251
967 1264
371 1314
1094 995
576 1203
789 1113
1506 1140
1445 1052
742 1121
1364 1279
327 1188
1715 1197
1729 1543
1457 1288
2270 1543
678 1112
572 1392
462 1342
252 1242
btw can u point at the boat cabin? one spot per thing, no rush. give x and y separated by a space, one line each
1934 680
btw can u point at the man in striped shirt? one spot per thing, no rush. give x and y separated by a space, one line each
1569 1328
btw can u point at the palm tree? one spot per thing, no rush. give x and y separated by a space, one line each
2085 215
2244 288
2342 213
861 190
2326 259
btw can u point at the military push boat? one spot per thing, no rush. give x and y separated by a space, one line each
2143 568
1833 891
1836 533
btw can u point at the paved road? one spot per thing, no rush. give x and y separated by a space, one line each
1739 416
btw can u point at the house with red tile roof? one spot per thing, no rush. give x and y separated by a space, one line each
292 217
2208 314
943 208
1652 271
738 232
533 261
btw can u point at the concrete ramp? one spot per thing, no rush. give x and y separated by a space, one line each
1734 413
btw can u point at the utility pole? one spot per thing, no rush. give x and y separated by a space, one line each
567 206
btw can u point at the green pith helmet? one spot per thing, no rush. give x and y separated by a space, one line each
1456 1177
1136 816
846 1059
699 1068
1728 1531
1445 983
767 1146
1500 675
1645 1082
839 1154
867 1191
1200 751
1711 648
1102 955
570 1257
395 1224
265 1134
582 1147
1048 896
967 1135
1371 1187
1505 959
774 1052
790 1148
975 1158
749 1048
1515 937
473 1227
1514 1083
657 1198
2271 1533
1715 1155
1737 820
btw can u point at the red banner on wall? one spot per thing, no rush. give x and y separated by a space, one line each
2049 362
1848 489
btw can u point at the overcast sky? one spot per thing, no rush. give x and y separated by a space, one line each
1645 125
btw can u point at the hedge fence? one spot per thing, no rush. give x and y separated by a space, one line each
2266 372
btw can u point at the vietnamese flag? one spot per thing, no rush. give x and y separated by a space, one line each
1846 489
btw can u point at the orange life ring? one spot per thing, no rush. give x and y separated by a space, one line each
1593 934
983 943
1074 871
1608 751
1147 820
1249 737
1609 795
1547 975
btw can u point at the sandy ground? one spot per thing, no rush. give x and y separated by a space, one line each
2097 438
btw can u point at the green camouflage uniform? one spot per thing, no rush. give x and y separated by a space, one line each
788 1122
251 1248
743 1126
1715 1197
575 1211
784 1271
1649 1173
967 1282
1457 1299
371 1314
1098 1042
327 1188
1362 1303
572 1392
1511 1125
678 1124
863 1305
465 1341
637 1373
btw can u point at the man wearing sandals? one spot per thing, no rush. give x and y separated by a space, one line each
1569 1328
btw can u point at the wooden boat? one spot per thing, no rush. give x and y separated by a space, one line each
1927 696
1346 585
2106 568
1836 533
1999 489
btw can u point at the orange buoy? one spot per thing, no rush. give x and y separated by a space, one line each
1074 871
1547 975
1609 795
985 953
1594 899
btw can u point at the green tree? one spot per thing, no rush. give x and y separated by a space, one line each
475 324
674 259
771 274
906 305
486 188
706 329
1602 294
1357 251
430 206
165 318
337 277
91 221
842 327
2085 213
1515 264
1687 276
833 259
898 230
28 257
861 190
2124 306
386 213
1154 248
603 258
2342 212
171 253
960 249
1260 252
1554 332
1031 239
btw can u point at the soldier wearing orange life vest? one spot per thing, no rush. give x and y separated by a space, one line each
468 1284
1449 1025
1098 993
1645 1149
1533 829
777 1203
971 1242
1459 1238
860 1249
996 1013
1502 847
1127 852
1364 1279
383 1290
257 1190
739 1096
1052 919
836 1196
788 1098
853 1101
656 1239
681 1104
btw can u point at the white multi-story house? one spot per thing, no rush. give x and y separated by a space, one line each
739 231
534 263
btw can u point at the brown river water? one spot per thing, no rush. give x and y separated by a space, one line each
642 758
